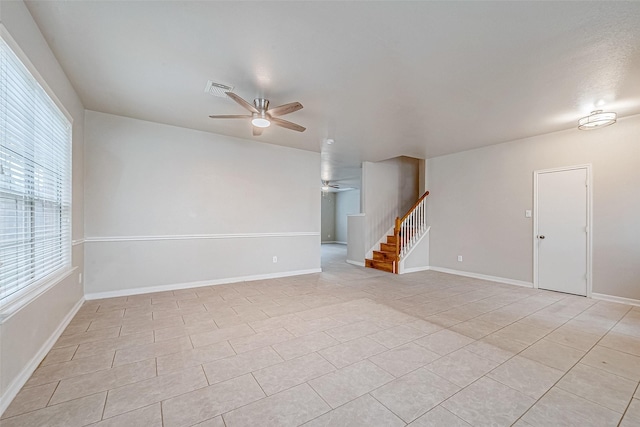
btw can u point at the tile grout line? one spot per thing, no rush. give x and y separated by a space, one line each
205 375
628 404
104 407
158 401
391 410
51 406
54 392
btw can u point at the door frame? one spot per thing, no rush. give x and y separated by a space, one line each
589 185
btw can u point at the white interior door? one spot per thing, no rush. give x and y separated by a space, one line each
562 240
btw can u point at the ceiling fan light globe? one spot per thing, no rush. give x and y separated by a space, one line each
260 122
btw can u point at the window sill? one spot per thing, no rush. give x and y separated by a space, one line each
24 297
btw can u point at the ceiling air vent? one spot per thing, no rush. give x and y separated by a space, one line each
217 89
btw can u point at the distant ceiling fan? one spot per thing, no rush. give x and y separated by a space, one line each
327 184
262 116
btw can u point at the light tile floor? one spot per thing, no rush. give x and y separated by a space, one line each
347 347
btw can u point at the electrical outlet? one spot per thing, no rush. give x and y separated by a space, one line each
275 259
459 258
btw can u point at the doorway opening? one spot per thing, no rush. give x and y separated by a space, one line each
336 205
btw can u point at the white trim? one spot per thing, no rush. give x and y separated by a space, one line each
536 173
613 298
358 263
401 269
13 303
15 386
197 236
413 247
333 242
178 286
414 269
484 277
77 242
24 58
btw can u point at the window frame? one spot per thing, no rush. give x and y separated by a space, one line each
18 299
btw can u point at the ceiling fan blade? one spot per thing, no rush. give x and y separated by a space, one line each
284 109
288 125
231 116
242 102
257 131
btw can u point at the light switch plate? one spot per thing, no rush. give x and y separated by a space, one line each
527 213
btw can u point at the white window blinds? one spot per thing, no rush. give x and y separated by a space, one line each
35 180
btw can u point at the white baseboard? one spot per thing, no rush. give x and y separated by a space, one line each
613 298
603 297
178 286
334 242
484 277
340 243
358 263
414 269
15 386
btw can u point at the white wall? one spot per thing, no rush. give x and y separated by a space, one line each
356 250
418 258
167 206
478 198
347 203
27 332
389 189
328 217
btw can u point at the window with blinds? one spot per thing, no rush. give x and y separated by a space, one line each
35 181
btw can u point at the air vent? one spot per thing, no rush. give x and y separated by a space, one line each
217 89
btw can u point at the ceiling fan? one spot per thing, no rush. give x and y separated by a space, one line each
262 116
327 184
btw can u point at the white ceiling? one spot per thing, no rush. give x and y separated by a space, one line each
382 79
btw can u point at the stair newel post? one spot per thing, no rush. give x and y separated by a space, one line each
396 233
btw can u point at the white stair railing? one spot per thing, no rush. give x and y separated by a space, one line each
411 227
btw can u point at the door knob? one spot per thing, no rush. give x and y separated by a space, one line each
541 237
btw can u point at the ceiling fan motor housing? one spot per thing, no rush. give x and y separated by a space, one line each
261 104
261 119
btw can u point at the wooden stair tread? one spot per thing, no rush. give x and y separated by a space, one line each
384 256
385 247
380 265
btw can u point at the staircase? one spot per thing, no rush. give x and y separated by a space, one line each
385 259
406 233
